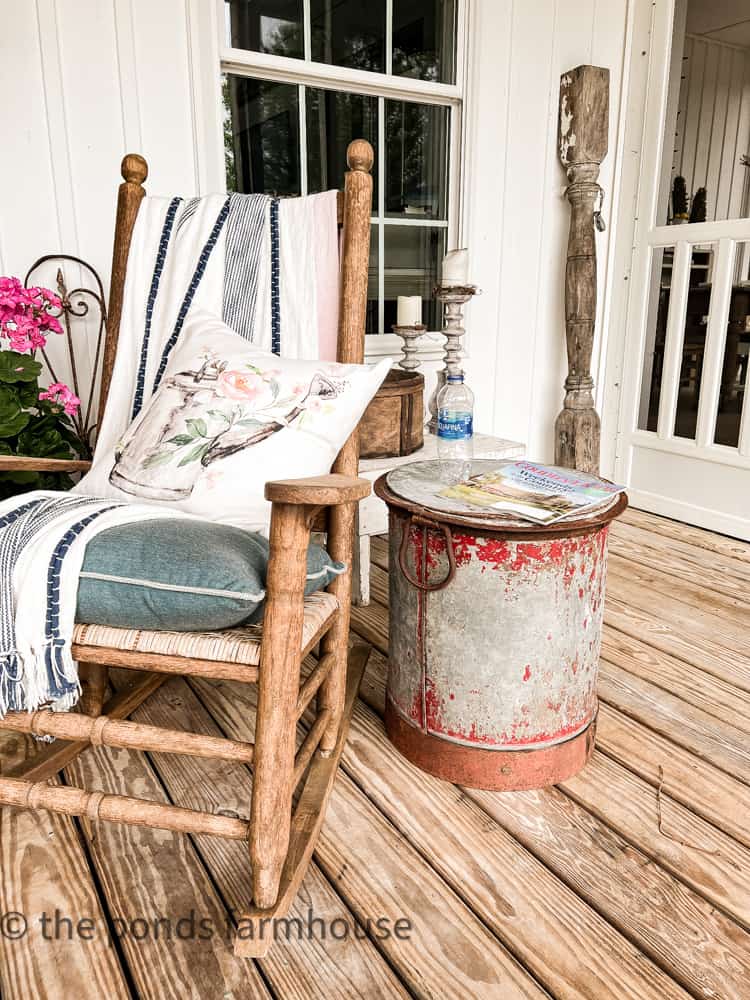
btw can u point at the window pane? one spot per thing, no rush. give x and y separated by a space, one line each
273 26
416 150
333 120
734 371
412 255
707 126
261 136
424 39
371 323
694 341
656 332
349 33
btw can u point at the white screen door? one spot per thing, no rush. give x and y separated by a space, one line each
684 424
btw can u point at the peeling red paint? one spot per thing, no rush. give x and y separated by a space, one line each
527 672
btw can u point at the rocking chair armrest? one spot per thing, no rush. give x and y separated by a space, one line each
29 463
318 491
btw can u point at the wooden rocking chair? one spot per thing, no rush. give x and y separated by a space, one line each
281 832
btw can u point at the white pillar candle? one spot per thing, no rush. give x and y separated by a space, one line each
455 268
409 310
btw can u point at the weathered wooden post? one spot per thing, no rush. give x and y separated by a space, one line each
582 139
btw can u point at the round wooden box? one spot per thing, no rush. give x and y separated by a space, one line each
393 423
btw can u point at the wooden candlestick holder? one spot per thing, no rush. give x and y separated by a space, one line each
453 299
410 335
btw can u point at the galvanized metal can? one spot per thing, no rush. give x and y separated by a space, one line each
494 645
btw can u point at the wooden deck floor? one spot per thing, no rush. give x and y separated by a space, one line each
569 892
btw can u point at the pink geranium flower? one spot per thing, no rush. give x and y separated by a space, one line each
25 320
61 395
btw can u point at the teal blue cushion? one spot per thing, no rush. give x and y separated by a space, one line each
169 574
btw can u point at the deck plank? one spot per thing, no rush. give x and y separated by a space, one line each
644 901
706 951
380 875
699 537
334 968
715 571
45 872
539 919
719 743
149 874
713 695
712 863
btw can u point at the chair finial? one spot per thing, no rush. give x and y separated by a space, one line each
360 155
134 168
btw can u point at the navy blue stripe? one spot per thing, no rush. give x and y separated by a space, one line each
161 255
275 268
200 269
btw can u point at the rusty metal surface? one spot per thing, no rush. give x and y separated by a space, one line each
502 659
494 770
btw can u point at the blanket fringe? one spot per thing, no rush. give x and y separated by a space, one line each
24 687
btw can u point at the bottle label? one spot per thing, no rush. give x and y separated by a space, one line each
455 426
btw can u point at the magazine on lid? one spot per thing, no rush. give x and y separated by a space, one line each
543 494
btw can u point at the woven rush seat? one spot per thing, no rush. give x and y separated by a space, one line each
232 645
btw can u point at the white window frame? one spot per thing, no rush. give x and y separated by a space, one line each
207 21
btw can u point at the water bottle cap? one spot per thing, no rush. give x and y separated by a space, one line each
456 378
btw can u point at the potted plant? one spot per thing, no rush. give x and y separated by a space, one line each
34 422
679 201
698 207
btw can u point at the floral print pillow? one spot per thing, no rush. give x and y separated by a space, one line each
226 419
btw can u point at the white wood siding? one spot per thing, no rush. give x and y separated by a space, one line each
516 213
713 125
88 81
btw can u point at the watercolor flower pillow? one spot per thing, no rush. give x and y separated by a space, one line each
226 419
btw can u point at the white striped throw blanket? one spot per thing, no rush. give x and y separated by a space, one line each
43 536
269 269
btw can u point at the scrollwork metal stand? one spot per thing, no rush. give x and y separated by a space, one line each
77 304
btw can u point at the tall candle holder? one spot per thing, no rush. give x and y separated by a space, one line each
453 299
410 335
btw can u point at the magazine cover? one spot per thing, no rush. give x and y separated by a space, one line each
540 493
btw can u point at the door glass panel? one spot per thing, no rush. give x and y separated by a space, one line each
660 287
334 118
694 341
261 136
349 33
705 176
273 26
372 321
412 256
424 39
734 377
416 152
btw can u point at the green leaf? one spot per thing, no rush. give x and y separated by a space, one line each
181 439
157 458
13 418
274 386
15 367
28 393
249 422
197 427
195 455
45 443
219 415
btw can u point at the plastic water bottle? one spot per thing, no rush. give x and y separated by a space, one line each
455 441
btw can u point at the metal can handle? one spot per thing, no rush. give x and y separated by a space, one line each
426 525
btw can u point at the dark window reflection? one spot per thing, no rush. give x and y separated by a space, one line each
349 33
262 136
412 256
416 151
273 26
734 369
333 120
424 38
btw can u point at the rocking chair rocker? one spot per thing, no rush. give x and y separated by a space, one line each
282 831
